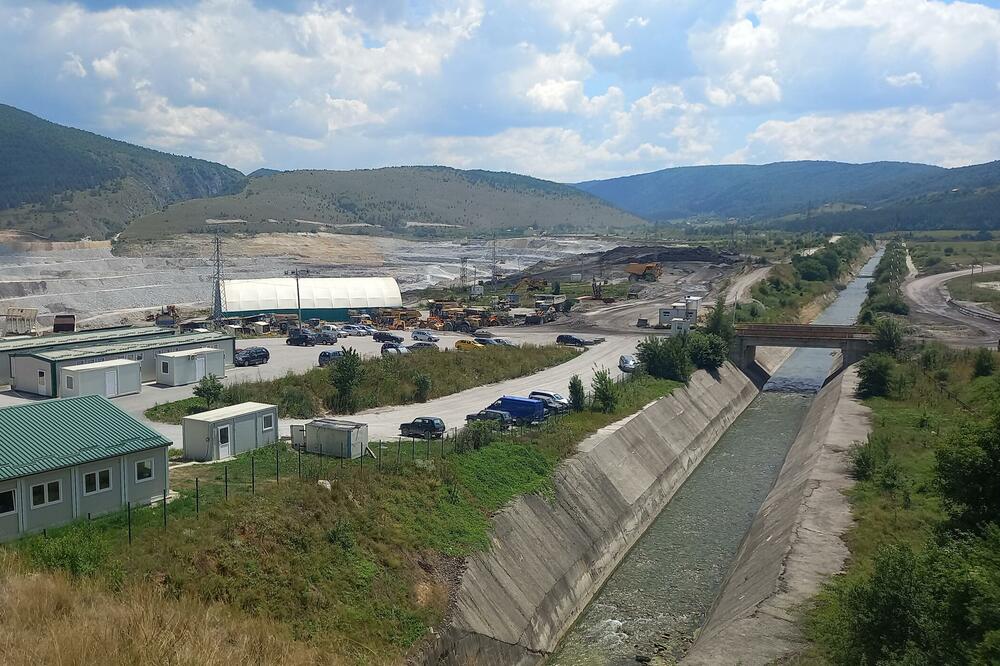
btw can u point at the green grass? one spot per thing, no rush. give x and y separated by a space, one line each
965 289
940 256
388 380
360 571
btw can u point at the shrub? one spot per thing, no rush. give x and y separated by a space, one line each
875 374
345 376
867 457
605 391
423 384
297 403
476 435
209 389
665 358
985 363
718 322
888 335
967 469
707 351
577 398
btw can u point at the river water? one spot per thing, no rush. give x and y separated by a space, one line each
659 595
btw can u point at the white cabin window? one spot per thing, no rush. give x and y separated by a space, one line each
69 382
224 435
164 367
44 494
268 422
97 482
143 470
6 502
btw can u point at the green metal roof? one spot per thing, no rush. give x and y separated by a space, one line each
52 434
108 349
79 338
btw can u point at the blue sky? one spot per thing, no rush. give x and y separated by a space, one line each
564 89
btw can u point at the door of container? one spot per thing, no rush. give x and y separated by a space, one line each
43 386
225 441
199 367
111 383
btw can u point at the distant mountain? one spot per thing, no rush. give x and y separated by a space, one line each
66 183
415 201
263 171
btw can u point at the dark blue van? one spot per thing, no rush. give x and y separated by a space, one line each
523 410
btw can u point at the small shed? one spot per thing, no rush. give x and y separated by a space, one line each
188 366
261 327
108 378
229 431
332 437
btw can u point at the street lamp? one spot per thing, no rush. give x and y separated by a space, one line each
297 273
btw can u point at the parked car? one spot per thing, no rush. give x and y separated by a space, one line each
424 336
394 348
487 342
577 341
628 363
329 328
506 342
464 345
326 338
387 336
352 329
424 427
503 419
422 346
251 356
300 337
523 410
367 330
559 401
482 333
330 356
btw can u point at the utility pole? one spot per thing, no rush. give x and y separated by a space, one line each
218 302
298 273
495 278
464 273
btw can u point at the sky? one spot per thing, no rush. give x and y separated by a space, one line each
566 90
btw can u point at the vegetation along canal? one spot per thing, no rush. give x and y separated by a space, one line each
659 596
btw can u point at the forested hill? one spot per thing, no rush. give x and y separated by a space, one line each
66 183
878 194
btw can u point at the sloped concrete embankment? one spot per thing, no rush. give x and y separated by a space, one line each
549 556
794 542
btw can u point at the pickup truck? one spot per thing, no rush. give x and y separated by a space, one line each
424 427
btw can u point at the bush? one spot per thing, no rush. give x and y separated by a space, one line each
345 376
605 391
888 335
985 363
209 389
577 397
665 358
875 374
967 473
476 435
718 321
423 384
867 457
297 403
707 351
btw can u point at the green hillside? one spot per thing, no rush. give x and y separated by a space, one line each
66 183
415 201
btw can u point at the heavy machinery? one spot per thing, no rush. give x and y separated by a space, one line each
532 284
648 272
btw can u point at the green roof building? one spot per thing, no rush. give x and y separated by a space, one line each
72 458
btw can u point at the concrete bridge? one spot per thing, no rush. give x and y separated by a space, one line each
854 342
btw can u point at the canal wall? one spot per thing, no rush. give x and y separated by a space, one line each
550 555
794 542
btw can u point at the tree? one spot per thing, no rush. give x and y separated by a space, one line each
875 375
423 385
888 335
605 391
967 469
556 288
577 398
345 376
718 322
209 389
985 363
706 350
665 358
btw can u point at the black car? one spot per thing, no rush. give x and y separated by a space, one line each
421 346
577 341
300 338
330 356
326 338
426 427
387 336
501 418
251 356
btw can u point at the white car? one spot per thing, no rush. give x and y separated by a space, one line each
352 329
506 342
553 397
424 336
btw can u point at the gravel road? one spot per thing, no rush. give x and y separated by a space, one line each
928 299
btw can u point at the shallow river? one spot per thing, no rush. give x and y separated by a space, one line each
658 597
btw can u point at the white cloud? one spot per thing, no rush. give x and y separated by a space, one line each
107 66
904 80
73 66
638 21
605 46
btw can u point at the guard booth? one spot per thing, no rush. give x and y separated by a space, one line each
229 431
180 368
108 378
331 437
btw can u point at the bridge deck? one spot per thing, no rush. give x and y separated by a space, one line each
803 331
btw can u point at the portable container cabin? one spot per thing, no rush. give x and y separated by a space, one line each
38 371
189 366
332 437
74 458
229 431
108 378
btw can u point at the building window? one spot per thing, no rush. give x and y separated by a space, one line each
69 382
44 494
164 367
6 502
144 470
268 422
97 482
224 435
41 374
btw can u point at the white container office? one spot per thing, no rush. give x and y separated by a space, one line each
189 366
229 431
332 437
108 378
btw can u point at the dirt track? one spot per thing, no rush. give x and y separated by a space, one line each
930 311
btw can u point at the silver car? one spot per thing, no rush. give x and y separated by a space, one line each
628 363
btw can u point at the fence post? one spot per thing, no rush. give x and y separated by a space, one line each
300 464
164 508
342 453
363 460
399 454
197 497
380 457
253 474
277 472
128 506
413 450
225 475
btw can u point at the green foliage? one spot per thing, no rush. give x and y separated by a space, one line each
706 350
209 389
665 358
718 321
423 383
577 397
985 363
78 550
885 294
605 391
556 288
968 473
875 373
868 457
345 377
476 435
295 401
810 268
888 335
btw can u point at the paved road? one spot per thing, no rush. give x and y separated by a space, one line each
928 299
